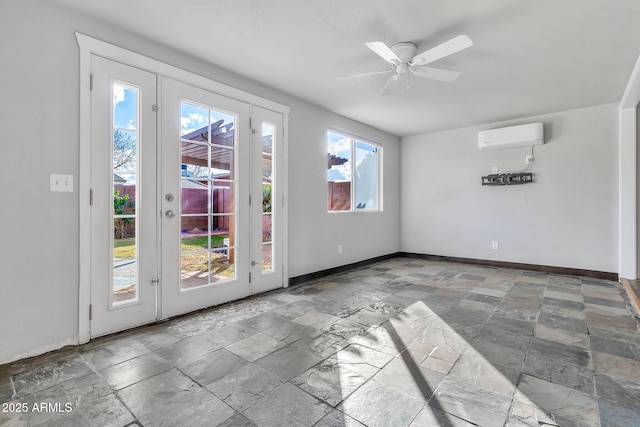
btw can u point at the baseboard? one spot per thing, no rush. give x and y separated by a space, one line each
341 269
602 275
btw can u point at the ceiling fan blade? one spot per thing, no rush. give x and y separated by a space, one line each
368 73
386 86
435 73
454 45
384 52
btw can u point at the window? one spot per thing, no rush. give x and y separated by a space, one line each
353 173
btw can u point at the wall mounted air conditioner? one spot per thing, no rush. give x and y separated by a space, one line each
511 137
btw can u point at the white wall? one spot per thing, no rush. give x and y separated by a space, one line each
314 234
566 218
39 121
637 195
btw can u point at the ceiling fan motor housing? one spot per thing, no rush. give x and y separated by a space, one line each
405 51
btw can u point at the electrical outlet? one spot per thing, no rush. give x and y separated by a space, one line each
494 246
494 170
529 159
339 249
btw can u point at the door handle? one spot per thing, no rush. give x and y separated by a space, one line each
169 214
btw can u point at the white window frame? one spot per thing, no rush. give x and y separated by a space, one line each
357 138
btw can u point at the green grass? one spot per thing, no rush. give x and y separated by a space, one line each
125 248
200 242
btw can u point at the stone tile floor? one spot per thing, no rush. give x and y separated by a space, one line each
403 342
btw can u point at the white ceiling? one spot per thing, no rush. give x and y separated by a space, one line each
528 58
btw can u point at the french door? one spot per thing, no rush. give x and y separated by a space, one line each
186 202
205 178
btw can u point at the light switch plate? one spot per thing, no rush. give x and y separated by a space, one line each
61 182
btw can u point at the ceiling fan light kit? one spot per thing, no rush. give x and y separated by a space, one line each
405 61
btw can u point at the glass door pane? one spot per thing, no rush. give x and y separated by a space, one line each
268 132
125 151
207 197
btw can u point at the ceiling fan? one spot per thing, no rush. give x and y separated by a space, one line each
404 61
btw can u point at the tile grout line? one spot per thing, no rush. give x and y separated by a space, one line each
371 344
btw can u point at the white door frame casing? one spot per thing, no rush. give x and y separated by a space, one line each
628 178
627 214
91 46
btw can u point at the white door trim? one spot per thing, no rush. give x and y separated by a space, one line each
88 46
